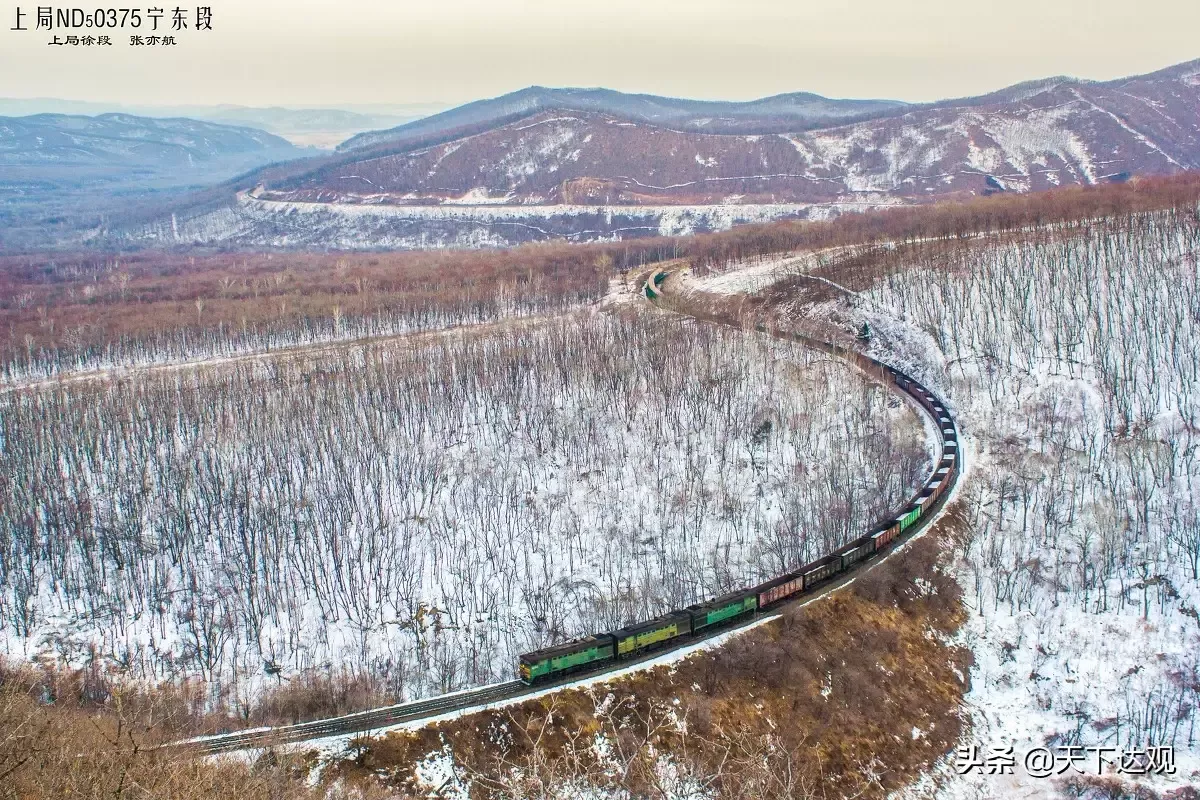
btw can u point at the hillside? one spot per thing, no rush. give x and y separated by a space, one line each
323 127
299 486
785 112
1067 354
1022 138
132 144
594 174
60 173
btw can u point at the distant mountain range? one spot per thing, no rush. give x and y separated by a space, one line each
304 127
1030 136
785 112
59 170
593 163
126 142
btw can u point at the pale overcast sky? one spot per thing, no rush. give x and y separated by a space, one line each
341 52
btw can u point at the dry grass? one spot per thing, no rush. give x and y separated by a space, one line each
854 694
172 711
78 750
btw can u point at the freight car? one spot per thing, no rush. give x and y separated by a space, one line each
596 652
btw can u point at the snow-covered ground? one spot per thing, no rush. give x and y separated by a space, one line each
1074 360
192 347
369 223
424 510
441 764
753 278
1071 361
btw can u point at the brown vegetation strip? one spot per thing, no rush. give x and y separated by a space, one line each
70 300
852 695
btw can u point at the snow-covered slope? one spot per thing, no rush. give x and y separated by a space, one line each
1072 365
1070 358
1053 133
601 175
257 220
779 113
423 510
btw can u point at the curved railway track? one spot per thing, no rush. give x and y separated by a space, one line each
923 505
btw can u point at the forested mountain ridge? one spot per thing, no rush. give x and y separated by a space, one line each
1026 137
586 175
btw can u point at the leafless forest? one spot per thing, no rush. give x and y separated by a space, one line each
203 330
423 509
1073 354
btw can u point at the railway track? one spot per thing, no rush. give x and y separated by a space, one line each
379 718
363 721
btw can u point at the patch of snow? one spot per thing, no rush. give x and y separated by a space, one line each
478 197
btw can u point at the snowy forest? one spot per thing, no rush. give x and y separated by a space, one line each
423 508
413 492
1071 355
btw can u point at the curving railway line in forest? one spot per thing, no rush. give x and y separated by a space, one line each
604 653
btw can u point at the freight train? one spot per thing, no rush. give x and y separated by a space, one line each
678 627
